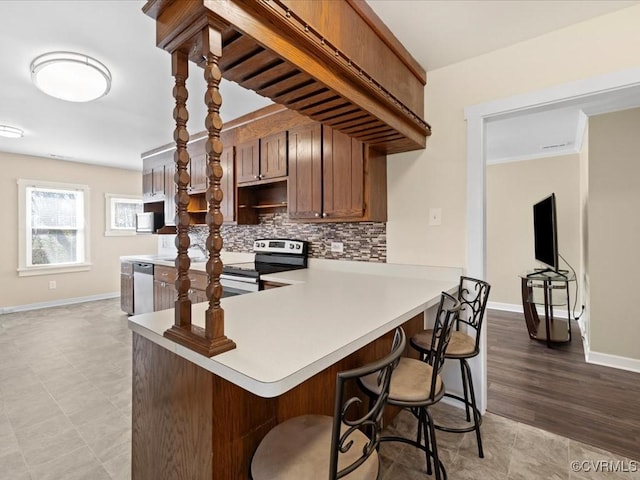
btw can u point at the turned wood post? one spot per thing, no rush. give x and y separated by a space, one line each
210 340
180 71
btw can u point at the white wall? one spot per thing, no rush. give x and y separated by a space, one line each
436 176
512 190
614 233
104 275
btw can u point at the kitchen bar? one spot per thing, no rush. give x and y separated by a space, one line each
207 415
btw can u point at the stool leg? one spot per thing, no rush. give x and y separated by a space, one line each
476 414
434 445
465 390
423 427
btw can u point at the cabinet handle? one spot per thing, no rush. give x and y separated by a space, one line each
260 176
163 284
325 215
317 214
257 177
164 274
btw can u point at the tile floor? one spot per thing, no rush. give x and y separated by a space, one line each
65 411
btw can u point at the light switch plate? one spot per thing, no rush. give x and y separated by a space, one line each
435 217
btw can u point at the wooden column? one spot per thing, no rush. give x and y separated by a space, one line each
211 340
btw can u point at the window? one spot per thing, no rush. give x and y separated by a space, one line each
120 214
53 233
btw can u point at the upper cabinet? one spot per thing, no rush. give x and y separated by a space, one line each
273 156
276 160
263 159
153 181
248 161
334 178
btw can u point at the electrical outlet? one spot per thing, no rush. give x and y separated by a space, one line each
337 247
52 285
435 217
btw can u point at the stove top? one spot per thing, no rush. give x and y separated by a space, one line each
272 256
255 269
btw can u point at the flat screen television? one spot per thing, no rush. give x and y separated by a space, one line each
546 232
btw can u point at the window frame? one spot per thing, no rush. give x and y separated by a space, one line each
109 230
24 230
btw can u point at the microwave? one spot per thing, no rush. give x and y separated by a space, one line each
149 222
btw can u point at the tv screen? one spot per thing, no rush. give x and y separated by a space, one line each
545 232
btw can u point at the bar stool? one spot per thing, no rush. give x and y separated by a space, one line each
473 295
417 385
311 447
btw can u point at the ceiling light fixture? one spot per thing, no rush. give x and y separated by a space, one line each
70 76
10 132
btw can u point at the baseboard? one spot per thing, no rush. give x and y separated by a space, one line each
614 361
58 303
559 312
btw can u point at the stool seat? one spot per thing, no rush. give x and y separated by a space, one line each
411 382
299 449
460 345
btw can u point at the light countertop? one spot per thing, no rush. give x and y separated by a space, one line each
286 335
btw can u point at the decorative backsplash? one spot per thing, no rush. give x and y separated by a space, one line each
362 241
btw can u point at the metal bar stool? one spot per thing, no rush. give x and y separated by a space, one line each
473 295
317 447
417 385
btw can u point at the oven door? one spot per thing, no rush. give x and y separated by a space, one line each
233 285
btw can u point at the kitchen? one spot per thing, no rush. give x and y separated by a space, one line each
104 257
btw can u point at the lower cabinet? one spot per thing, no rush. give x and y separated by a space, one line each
198 290
126 287
164 290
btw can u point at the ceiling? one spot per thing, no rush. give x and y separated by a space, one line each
136 115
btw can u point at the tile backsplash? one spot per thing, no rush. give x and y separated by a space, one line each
362 241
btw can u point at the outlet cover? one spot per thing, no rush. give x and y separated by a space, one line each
435 217
52 285
337 247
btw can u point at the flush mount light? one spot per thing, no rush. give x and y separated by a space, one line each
70 76
10 132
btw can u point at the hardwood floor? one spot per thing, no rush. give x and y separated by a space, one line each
556 390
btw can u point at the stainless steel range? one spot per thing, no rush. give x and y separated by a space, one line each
271 256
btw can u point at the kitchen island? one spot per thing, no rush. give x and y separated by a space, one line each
197 417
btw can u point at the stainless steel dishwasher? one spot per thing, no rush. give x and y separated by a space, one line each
142 288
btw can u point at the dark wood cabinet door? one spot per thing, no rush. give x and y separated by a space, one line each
170 194
126 293
305 172
198 166
248 161
273 156
343 175
228 184
147 184
158 182
164 295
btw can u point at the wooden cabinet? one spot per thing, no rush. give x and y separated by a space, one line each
164 290
248 161
170 194
305 172
262 160
267 285
197 166
334 178
126 287
153 182
273 156
164 190
198 290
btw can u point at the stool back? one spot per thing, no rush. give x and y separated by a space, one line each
473 295
369 422
446 317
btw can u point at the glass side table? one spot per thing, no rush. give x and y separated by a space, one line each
550 290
